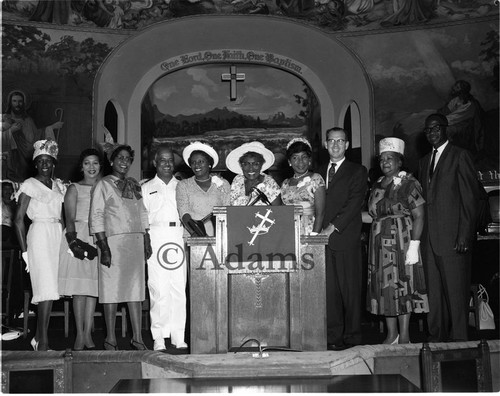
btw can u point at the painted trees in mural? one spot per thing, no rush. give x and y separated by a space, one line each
270 105
331 14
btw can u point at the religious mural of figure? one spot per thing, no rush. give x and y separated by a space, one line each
359 6
465 118
406 12
19 132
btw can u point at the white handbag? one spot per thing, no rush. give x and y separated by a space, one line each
486 317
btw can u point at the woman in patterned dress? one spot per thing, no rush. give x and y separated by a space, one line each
119 221
396 285
41 198
78 267
251 186
305 188
197 195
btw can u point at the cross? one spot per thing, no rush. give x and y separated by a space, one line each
233 77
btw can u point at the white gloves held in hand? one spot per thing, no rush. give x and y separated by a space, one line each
412 253
24 255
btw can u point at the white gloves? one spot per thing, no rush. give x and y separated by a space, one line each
24 255
412 253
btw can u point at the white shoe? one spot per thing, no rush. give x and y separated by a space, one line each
159 345
181 345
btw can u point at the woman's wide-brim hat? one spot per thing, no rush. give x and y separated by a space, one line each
233 158
45 147
199 146
392 144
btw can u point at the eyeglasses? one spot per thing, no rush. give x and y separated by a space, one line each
340 142
433 129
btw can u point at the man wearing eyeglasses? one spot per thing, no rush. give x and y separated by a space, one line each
450 189
346 184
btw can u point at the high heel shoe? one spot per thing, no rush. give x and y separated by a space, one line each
138 346
108 346
396 340
34 344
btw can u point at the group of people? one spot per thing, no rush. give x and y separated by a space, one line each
419 249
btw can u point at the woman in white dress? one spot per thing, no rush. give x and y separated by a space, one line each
41 198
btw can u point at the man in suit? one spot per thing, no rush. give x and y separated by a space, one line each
346 184
450 189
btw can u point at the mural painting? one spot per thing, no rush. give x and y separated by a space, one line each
201 104
413 56
419 79
336 15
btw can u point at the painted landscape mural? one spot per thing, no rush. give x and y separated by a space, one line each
413 51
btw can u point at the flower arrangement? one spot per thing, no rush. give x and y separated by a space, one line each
61 185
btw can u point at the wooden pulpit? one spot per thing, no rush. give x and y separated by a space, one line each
258 278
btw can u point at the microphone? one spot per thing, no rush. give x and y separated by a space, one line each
260 196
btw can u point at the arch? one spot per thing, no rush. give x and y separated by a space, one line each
330 70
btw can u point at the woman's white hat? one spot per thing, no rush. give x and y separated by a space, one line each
199 146
233 158
392 144
47 147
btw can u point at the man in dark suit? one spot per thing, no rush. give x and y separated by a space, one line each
450 189
346 184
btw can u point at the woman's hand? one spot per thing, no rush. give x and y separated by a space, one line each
24 255
102 243
148 250
412 253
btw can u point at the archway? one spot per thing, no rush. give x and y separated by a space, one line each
329 69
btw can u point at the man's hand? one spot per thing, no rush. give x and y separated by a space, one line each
57 125
16 126
462 245
328 230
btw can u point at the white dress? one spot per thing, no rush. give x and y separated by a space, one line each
44 236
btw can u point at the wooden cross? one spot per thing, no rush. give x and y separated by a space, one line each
233 78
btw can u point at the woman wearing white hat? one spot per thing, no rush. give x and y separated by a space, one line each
251 186
41 198
396 285
197 195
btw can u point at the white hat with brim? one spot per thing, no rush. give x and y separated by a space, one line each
199 146
392 144
233 158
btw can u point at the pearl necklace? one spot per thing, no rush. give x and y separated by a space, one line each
302 175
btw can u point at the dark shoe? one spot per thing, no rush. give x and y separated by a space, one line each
138 346
110 347
339 347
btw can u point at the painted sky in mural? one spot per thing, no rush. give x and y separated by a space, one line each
264 92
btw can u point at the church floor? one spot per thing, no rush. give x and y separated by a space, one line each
371 334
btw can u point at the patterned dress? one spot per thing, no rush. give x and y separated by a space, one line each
79 277
268 187
303 194
393 287
44 236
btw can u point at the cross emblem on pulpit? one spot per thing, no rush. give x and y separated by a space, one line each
233 78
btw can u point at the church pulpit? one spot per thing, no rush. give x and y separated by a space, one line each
258 278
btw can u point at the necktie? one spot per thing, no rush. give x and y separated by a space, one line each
331 172
433 162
